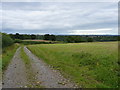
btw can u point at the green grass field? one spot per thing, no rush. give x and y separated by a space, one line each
7 55
88 64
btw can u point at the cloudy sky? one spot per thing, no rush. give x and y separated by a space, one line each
69 18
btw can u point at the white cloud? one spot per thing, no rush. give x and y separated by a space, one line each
59 17
59 0
103 31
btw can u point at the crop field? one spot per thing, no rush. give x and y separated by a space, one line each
88 64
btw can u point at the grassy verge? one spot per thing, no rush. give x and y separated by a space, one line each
7 55
25 58
33 83
90 65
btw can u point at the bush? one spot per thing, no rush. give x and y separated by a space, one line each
6 40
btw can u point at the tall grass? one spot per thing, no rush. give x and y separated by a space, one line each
25 58
88 64
7 55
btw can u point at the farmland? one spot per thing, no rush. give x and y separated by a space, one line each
91 65
57 44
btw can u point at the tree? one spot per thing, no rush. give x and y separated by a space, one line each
33 36
70 39
12 36
46 37
118 38
89 39
17 36
77 39
52 37
21 37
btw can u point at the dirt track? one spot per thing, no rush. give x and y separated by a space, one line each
48 77
16 74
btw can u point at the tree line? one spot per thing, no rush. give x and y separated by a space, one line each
33 36
66 38
9 39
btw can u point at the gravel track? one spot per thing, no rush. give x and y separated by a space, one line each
15 75
48 77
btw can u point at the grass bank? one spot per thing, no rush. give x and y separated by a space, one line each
33 83
25 58
90 65
7 55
